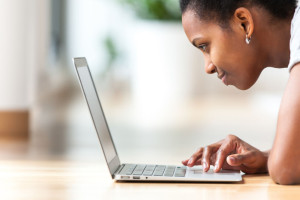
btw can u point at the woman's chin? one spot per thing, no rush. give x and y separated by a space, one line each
243 86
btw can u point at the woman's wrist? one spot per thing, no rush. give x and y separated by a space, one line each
265 155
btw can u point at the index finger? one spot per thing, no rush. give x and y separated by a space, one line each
195 157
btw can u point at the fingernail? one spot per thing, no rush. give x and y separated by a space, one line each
216 166
232 159
190 161
204 166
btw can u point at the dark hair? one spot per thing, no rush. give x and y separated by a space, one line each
221 11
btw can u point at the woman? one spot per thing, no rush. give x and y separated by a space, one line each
239 39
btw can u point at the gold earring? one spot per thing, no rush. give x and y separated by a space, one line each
248 39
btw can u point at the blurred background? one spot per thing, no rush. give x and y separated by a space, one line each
158 101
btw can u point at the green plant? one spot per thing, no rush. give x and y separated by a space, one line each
113 53
155 9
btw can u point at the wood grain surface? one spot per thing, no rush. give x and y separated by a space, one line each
30 180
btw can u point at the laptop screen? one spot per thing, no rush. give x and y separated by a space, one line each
96 111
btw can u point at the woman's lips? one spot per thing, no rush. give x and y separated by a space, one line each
223 78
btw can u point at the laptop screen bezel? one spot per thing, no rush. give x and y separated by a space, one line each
113 164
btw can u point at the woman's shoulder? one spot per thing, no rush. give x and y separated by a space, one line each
297 10
295 39
296 18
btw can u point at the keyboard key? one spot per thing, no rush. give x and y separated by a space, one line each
160 167
159 170
128 169
169 171
180 173
139 170
158 173
149 170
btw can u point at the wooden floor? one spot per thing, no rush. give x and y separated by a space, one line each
26 177
57 180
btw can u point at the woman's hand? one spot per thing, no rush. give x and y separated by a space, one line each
230 153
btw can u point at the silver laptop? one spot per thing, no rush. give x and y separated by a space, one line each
138 172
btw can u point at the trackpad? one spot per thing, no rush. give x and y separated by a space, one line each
224 175
200 171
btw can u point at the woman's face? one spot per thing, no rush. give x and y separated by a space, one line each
225 50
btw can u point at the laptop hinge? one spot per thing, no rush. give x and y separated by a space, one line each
118 170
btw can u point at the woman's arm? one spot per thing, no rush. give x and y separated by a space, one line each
284 158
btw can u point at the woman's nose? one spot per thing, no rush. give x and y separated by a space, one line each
210 68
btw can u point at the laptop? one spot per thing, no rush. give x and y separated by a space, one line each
138 172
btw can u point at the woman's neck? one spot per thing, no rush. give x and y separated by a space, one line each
276 39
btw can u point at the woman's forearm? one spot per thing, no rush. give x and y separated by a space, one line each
284 162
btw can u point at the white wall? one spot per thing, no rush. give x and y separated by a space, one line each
13 51
22 50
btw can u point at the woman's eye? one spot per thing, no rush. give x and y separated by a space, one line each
202 47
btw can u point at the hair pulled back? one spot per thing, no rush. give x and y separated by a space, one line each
221 11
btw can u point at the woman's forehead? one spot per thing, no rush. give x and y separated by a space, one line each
195 27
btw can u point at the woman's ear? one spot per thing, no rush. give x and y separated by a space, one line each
244 19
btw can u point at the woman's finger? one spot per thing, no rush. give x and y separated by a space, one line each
195 157
239 159
198 162
226 149
184 162
207 154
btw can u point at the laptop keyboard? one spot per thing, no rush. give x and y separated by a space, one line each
154 170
